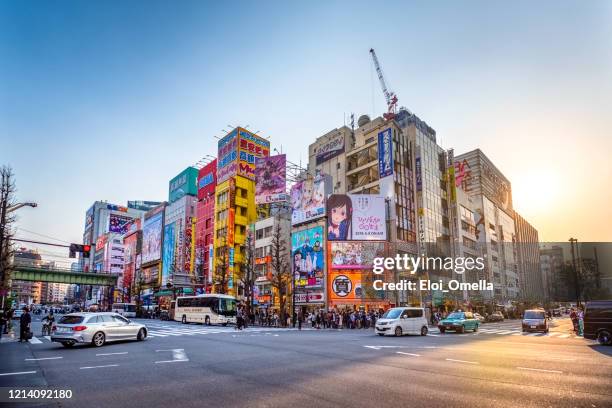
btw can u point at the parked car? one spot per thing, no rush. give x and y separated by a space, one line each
556 312
598 321
535 320
495 317
96 328
17 313
402 320
459 322
479 317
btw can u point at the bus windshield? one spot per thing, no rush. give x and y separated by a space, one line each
130 307
227 307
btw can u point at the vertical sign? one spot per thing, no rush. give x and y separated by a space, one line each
419 174
385 153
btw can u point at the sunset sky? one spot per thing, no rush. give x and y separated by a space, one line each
110 100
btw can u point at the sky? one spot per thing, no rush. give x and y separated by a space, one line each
108 100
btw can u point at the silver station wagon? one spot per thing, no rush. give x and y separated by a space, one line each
96 329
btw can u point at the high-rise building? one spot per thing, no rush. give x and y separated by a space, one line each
551 264
528 251
205 224
492 197
235 206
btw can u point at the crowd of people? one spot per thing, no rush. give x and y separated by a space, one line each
338 319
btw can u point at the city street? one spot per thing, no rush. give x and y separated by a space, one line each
194 365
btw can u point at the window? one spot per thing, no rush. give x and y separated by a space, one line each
338 165
414 313
119 319
71 320
259 234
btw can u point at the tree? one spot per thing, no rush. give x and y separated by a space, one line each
247 270
281 273
7 199
221 270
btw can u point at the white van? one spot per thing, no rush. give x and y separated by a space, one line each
402 320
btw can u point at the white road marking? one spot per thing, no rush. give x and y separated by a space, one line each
101 366
505 332
552 334
434 335
48 338
564 336
34 340
170 361
43 358
540 369
408 354
19 373
111 354
177 355
462 361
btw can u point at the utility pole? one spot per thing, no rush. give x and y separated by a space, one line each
574 241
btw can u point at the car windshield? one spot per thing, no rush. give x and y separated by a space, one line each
71 320
530 314
392 314
456 316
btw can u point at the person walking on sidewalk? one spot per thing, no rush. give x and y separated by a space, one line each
300 319
2 322
24 325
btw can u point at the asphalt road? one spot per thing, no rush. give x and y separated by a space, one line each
195 366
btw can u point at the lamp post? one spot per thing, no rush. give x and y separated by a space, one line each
574 241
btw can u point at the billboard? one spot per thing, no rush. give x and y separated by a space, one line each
355 254
150 274
308 257
333 148
227 156
130 245
250 148
168 254
308 200
118 223
358 217
183 184
419 173
270 179
152 238
207 180
385 153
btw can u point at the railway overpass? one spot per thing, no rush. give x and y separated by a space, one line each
59 275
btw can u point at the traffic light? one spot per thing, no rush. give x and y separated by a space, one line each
86 250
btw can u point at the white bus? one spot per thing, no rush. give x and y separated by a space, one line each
124 309
206 309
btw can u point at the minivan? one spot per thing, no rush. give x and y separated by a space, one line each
398 321
598 321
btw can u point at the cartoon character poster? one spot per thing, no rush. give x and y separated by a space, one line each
308 257
308 200
270 179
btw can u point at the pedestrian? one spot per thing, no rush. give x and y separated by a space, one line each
574 318
24 325
300 319
580 322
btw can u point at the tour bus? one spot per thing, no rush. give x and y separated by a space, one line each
124 309
207 309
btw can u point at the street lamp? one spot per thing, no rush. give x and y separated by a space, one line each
19 205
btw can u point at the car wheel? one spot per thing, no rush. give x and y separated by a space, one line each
442 330
98 339
424 331
67 344
142 334
224 324
381 334
398 331
184 319
461 329
604 338
207 321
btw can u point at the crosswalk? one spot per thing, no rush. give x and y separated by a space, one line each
510 331
168 330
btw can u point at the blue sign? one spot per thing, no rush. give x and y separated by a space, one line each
419 175
231 257
385 153
168 253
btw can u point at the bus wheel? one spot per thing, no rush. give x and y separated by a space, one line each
207 321
184 319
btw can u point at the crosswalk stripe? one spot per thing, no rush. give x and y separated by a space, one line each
34 340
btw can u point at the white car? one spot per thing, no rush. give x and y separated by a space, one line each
402 320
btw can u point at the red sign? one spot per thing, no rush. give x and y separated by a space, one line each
230 227
207 180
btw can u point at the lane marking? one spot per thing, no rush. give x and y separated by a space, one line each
408 354
111 354
100 366
177 355
171 361
19 373
43 358
540 369
564 336
34 340
505 332
462 361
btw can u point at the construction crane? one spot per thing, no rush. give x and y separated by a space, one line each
389 95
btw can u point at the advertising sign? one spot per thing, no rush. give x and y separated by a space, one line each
207 180
309 297
419 173
358 217
333 148
89 217
308 257
152 238
101 242
250 148
130 244
183 184
355 255
118 223
270 179
211 262
227 156
231 219
385 153
150 275
463 175
308 200
168 255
